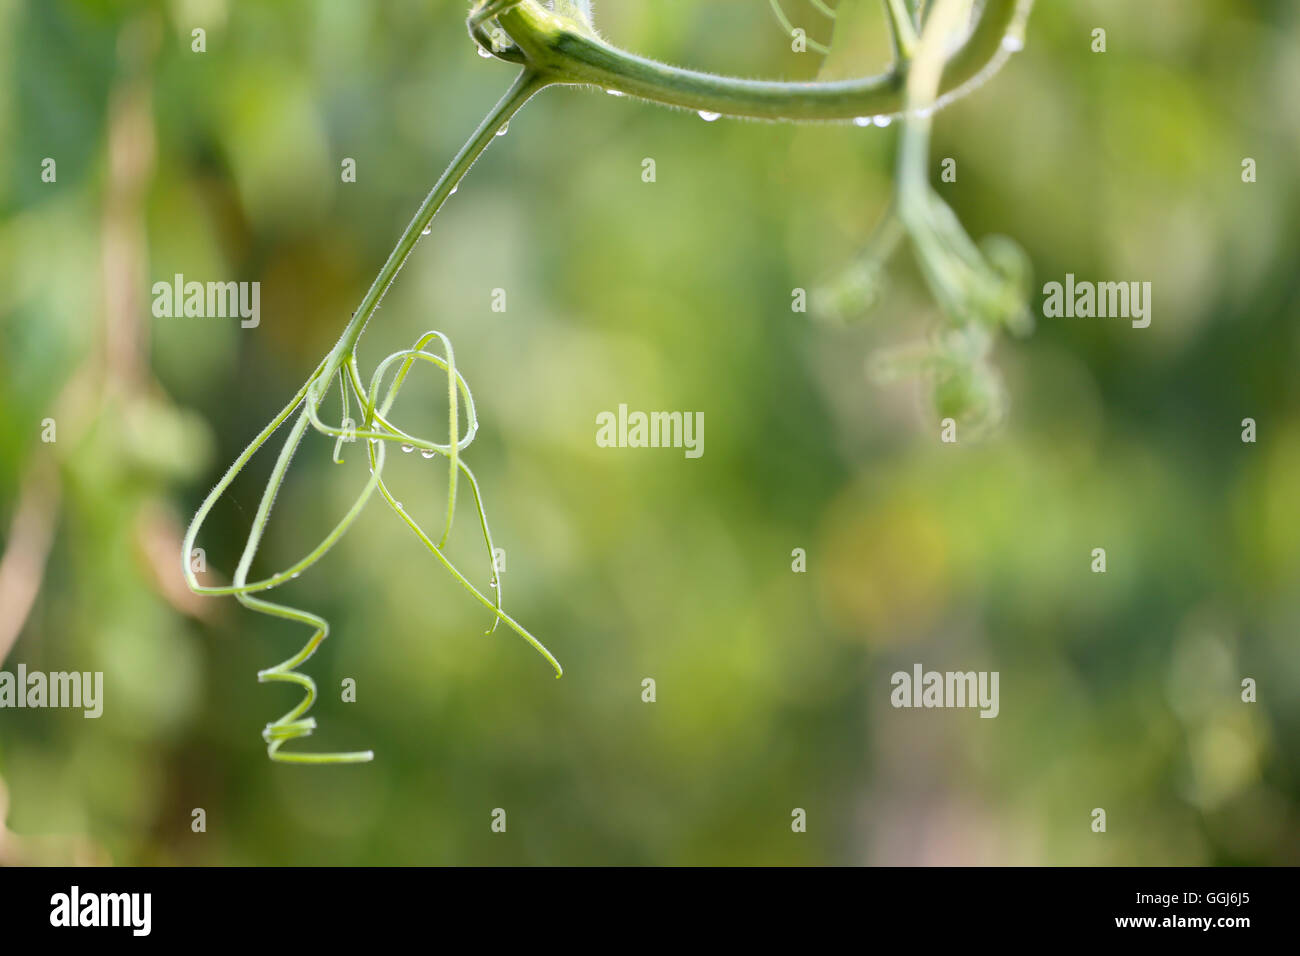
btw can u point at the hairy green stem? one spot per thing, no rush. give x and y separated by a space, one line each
563 52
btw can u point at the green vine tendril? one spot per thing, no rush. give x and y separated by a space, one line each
556 43
377 430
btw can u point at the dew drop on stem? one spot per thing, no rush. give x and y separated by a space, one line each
708 117
408 448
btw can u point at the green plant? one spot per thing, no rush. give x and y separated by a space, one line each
556 44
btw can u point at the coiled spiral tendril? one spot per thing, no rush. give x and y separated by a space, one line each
376 430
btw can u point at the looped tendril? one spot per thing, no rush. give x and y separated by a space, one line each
377 430
487 33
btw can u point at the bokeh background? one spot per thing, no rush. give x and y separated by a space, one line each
1118 690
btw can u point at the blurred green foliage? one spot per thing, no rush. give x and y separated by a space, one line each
1118 690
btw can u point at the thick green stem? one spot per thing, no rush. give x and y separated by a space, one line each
556 48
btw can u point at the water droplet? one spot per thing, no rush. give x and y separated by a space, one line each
492 583
484 53
427 229
408 448
296 573
428 452
1013 43
708 117
614 92
881 120
862 121
505 128
453 190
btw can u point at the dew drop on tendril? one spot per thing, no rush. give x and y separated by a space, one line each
428 452
862 121
408 448
881 120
